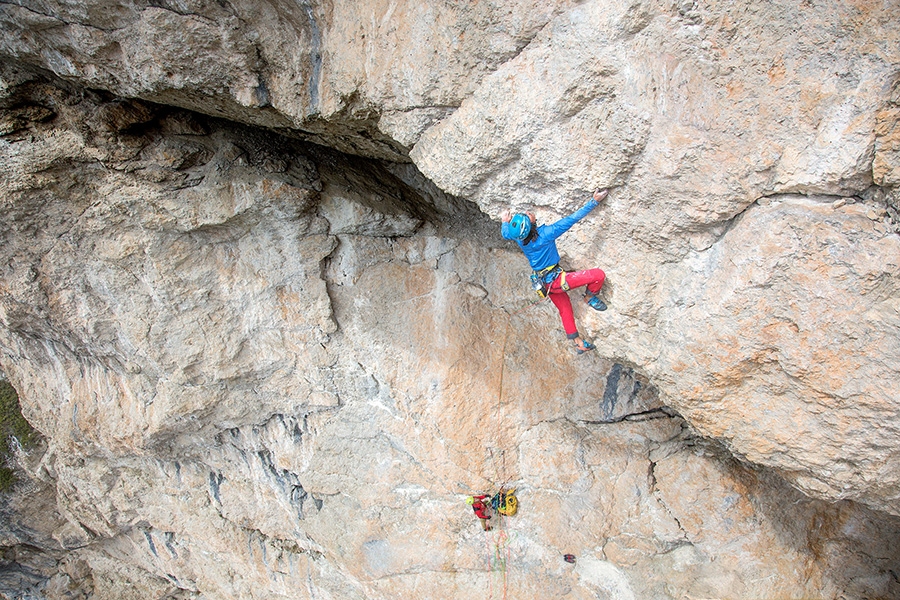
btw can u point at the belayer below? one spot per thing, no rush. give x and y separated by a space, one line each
481 504
538 242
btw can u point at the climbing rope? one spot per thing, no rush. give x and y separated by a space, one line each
498 421
498 543
498 557
526 307
501 562
499 482
503 502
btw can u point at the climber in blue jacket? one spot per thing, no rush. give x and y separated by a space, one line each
538 242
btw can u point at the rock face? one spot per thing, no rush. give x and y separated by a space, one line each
255 298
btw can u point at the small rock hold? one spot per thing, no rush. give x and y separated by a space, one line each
839 203
685 6
475 290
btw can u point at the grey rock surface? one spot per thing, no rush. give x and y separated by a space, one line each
255 297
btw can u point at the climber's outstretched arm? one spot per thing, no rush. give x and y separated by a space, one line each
563 225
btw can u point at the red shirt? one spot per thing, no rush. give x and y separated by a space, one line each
480 508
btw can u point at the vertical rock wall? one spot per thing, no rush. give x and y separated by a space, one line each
266 368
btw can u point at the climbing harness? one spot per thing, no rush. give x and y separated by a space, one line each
543 279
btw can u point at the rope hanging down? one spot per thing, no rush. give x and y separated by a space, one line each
491 509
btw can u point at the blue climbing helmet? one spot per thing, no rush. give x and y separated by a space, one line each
520 225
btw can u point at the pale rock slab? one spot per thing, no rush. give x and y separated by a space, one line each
200 314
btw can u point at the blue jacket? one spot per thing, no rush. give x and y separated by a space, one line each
541 252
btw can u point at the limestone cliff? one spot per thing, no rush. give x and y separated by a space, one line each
255 298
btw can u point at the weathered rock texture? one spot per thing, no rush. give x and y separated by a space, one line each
266 367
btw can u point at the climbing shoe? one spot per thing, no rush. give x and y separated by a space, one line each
595 302
587 346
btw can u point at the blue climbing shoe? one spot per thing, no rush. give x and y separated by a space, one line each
595 302
587 346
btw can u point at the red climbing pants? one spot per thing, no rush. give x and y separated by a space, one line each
592 278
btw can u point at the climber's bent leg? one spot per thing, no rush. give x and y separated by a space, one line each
592 278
